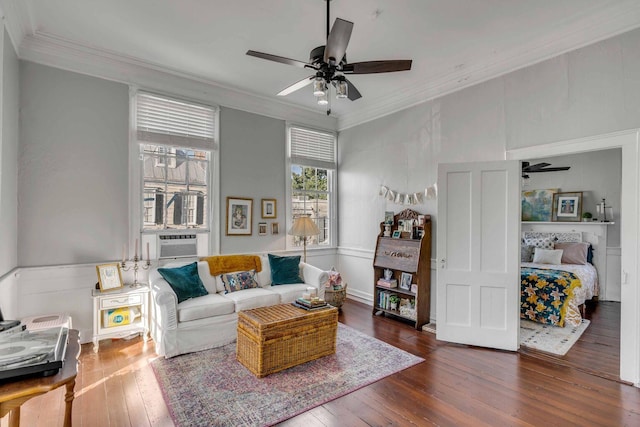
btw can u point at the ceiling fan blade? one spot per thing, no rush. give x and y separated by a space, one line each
337 41
537 166
299 85
352 92
280 59
372 67
560 168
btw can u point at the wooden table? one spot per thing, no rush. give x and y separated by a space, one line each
14 394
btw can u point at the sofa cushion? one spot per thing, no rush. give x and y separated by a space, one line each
184 281
206 306
285 269
253 298
239 280
208 280
290 292
264 276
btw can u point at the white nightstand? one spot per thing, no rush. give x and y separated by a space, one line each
121 298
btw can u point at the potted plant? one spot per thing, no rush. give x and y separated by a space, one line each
586 217
393 302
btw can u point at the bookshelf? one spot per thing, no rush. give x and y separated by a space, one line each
409 255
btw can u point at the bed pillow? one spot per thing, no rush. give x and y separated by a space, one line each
539 242
574 253
184 281
285 270
239 280
526 253
548 256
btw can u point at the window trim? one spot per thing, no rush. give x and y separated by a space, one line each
333 184
136 181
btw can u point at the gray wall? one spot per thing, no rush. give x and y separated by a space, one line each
597 174
9 157
590 91
73 167
252 165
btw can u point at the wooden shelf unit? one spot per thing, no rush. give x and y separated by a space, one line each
405 255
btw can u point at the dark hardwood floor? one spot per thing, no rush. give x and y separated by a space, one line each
456 385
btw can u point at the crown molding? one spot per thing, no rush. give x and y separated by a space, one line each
17 20
611 22
57 52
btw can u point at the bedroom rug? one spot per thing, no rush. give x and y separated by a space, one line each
211 388
550 339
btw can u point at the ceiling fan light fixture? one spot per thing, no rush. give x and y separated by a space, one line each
319 88
342 89
323 100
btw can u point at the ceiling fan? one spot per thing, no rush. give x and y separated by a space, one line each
528 168
330 65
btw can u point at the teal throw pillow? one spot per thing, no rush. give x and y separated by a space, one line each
184 281
239 280
285 270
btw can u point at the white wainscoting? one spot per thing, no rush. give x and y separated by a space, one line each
356 268
9 294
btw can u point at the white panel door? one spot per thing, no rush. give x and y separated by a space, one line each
478 278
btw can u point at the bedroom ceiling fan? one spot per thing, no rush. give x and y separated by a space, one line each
528 168
330 65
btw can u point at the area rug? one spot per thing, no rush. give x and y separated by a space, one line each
550 339
211 388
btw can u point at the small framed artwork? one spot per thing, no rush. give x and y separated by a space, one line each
274 228
405 281
567 207
388 217
396 234
109 276
269 208
414 288
262 229
239 216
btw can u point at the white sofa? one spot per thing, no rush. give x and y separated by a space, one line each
211 321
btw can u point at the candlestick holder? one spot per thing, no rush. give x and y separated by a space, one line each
135 267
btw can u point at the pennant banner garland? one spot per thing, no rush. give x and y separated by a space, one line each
429 193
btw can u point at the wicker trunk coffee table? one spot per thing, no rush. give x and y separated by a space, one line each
271 339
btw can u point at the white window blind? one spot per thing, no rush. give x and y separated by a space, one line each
169 121
312 148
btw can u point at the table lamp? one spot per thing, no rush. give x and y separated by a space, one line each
303 226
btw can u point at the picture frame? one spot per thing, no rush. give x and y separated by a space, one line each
239 216
275 228
414 288
269 208
109 277
262 229
405 281
396 234
567 207
388 217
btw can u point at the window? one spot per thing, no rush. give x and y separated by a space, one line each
311 181
176 141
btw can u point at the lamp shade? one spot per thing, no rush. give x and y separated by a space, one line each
304 226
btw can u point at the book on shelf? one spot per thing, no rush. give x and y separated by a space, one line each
387 283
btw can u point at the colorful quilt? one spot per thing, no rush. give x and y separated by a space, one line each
545 294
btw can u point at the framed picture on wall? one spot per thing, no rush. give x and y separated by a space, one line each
567 207
274 228
269 208
239 216
262 229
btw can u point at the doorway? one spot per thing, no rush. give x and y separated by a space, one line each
629 225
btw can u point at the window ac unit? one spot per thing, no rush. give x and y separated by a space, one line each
177 245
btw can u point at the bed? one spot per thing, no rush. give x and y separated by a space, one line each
559 279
